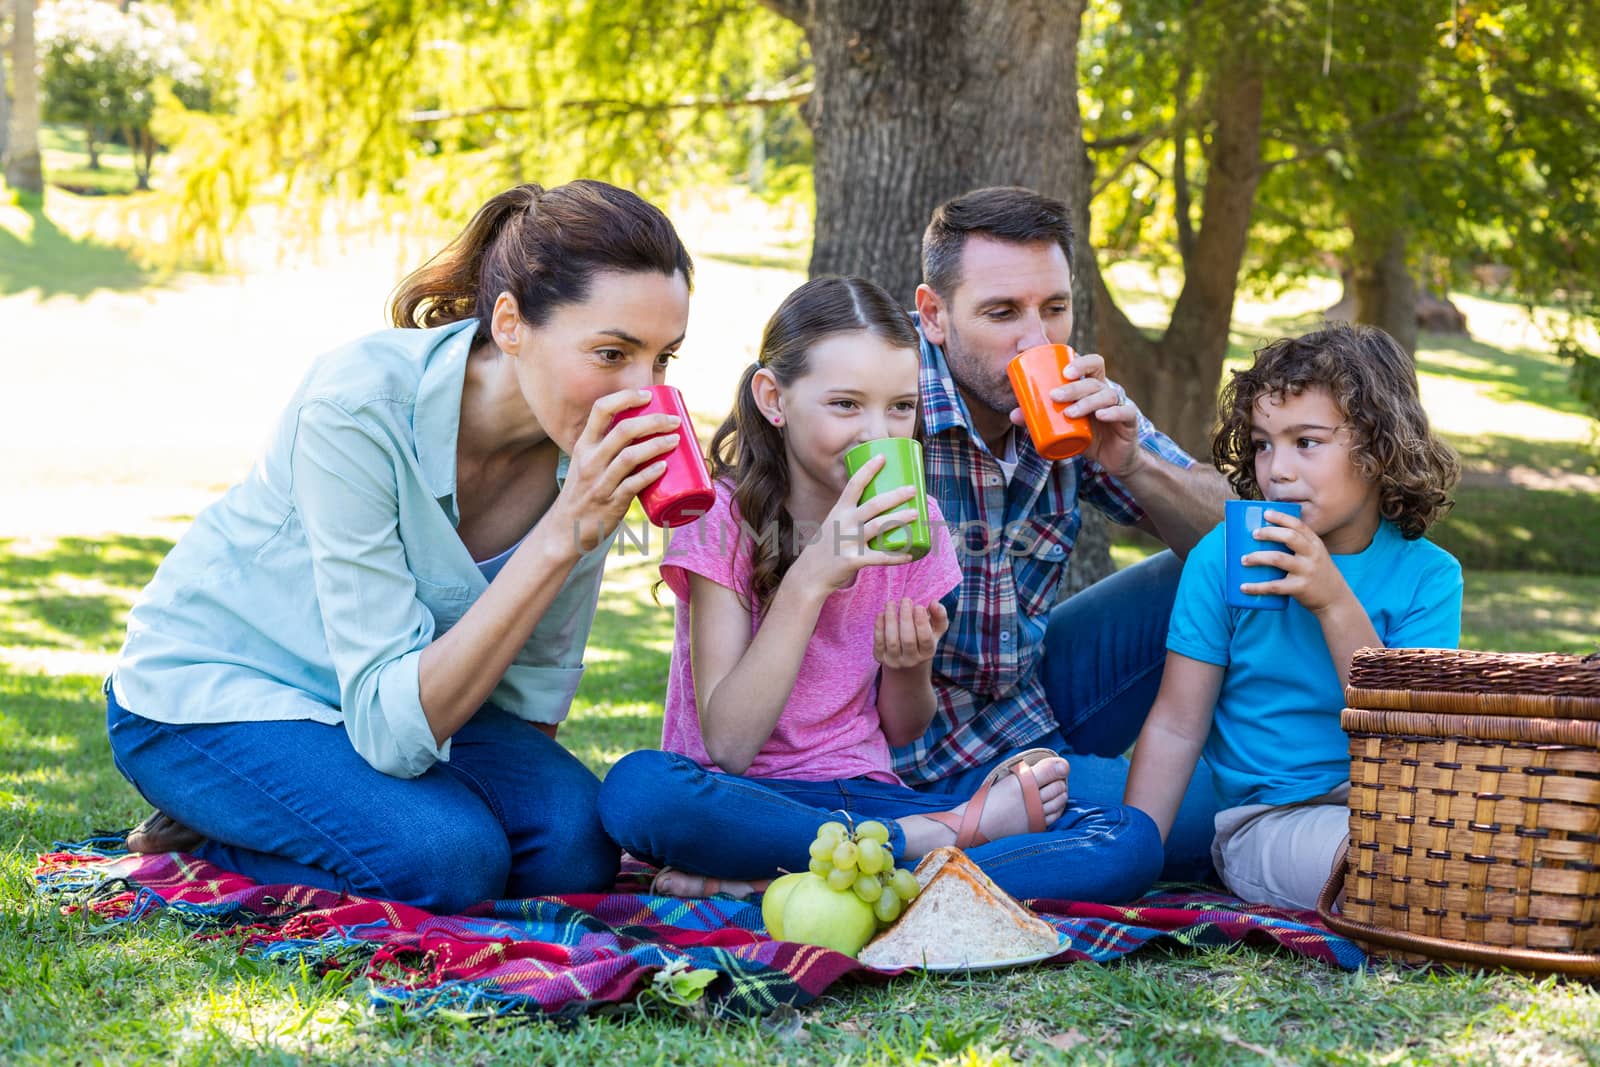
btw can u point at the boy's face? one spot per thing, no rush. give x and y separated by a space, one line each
1303 453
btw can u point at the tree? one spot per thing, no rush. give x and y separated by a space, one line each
5 94
23 167
443 104
103 65
916 103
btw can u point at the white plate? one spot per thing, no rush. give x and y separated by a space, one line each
996 965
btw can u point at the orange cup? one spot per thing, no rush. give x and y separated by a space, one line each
1033 374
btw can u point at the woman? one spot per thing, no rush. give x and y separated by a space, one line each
349 671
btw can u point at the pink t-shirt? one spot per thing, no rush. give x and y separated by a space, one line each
829 727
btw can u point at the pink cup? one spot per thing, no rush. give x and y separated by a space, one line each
683 493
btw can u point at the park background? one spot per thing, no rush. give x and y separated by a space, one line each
201 198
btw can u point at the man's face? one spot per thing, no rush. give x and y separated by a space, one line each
1011 297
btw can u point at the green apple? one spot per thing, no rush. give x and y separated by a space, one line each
818 915
773 900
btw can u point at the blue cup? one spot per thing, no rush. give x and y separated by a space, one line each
1242 520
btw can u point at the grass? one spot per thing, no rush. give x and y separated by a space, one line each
111 446
148 992
71 991
38 257
65 155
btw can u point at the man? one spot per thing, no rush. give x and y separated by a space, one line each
1015 670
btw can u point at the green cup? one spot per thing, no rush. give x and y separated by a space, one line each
902 466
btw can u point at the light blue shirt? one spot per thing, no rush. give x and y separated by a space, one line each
311 588
1275 737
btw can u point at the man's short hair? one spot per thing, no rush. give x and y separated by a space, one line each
1003 212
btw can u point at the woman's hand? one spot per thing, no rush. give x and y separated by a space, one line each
1310 575
610 465
842 547
906 633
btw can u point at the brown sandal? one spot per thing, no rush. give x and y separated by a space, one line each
1021 765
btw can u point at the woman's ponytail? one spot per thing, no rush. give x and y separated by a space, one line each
445 289
543 246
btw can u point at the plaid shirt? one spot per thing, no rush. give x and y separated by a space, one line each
1014 540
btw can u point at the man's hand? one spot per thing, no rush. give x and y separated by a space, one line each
1090 394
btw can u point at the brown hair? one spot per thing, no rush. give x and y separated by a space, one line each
543 246
1004 212
750 452
1374 383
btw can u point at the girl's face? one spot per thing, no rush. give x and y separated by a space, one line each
857 387
621 337
1303 454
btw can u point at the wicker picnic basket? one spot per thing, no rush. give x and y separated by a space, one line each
1474 809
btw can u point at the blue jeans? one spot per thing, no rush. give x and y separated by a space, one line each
511 814
663 807
1104 651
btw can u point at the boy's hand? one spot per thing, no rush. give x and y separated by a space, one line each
1310 575
906 633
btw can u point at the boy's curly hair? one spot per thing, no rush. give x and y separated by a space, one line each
1374 383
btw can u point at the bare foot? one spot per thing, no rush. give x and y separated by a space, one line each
161 833
671 882
1004 811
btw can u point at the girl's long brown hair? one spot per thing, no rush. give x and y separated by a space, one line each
1374 383
543 246
749 451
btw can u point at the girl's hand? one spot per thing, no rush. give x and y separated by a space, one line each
906 633
842 546
1310 575
610 465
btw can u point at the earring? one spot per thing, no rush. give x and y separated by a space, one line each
777 420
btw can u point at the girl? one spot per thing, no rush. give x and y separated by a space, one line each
348 672
798 662
1332 421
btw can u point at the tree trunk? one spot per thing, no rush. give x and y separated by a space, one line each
5 103
1385 293
916 103
92 144
1380 291
141 148
149 149
1174 378
24 171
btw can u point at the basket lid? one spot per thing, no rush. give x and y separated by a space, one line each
1542 684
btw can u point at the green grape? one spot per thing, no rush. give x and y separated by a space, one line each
840 880
820 868
870 856
868 888
873 830
905 884
821 850
844 856
887 906
833 833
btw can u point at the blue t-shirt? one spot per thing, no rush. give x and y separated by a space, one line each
1275 737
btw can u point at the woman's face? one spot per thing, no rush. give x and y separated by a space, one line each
621 337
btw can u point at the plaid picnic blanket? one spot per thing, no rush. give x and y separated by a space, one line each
563 955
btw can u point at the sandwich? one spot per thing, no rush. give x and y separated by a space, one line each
960 919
